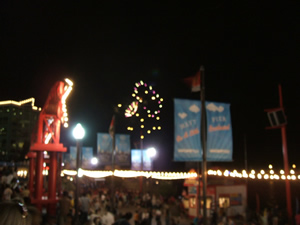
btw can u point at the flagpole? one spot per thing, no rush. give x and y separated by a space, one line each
142 164
113 135
203 141
113 169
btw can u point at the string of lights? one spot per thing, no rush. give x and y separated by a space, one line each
20 103
260 175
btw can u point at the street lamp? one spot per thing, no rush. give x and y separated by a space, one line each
94 161
78 134
151 152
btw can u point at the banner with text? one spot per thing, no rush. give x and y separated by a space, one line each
66 161
147 161
87 155
123 149
72 158
219 132
69 159
104 149
140 160
187 126
136 159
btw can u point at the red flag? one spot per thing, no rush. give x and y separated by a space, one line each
194 82
111 130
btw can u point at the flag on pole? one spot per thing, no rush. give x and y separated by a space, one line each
111 130
194 82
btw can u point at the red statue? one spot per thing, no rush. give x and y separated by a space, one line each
46 138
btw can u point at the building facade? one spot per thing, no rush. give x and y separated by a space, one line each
17 121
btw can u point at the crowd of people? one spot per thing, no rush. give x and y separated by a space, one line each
96 206
100 206
15 207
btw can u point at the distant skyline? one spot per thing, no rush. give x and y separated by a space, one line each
247 49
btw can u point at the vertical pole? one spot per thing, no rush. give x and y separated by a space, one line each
198 208
40 128
203 140
78 154
59 166
52 183
245 153
31 175
142 162
286 163
39 179
113 168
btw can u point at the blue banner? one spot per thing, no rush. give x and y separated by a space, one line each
122 150
147 161
140 160
66 160
136 159
187 130
73 157
104 149
70 158
219 132
187 146
87 155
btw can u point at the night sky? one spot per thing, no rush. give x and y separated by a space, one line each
247 49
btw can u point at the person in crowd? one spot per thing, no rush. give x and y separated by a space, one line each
64 208
72 199
95 217
158 216
124 219
14 213
214 218
198 220
136 217
108 218
103 199
145 217
7 193
95 204
275 214
84 203
167 214
175 211
26 194
153 201
9 177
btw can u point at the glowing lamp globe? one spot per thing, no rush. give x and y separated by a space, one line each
151 152
94 161
78 132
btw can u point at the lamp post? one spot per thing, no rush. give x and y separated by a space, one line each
78 134
150 153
